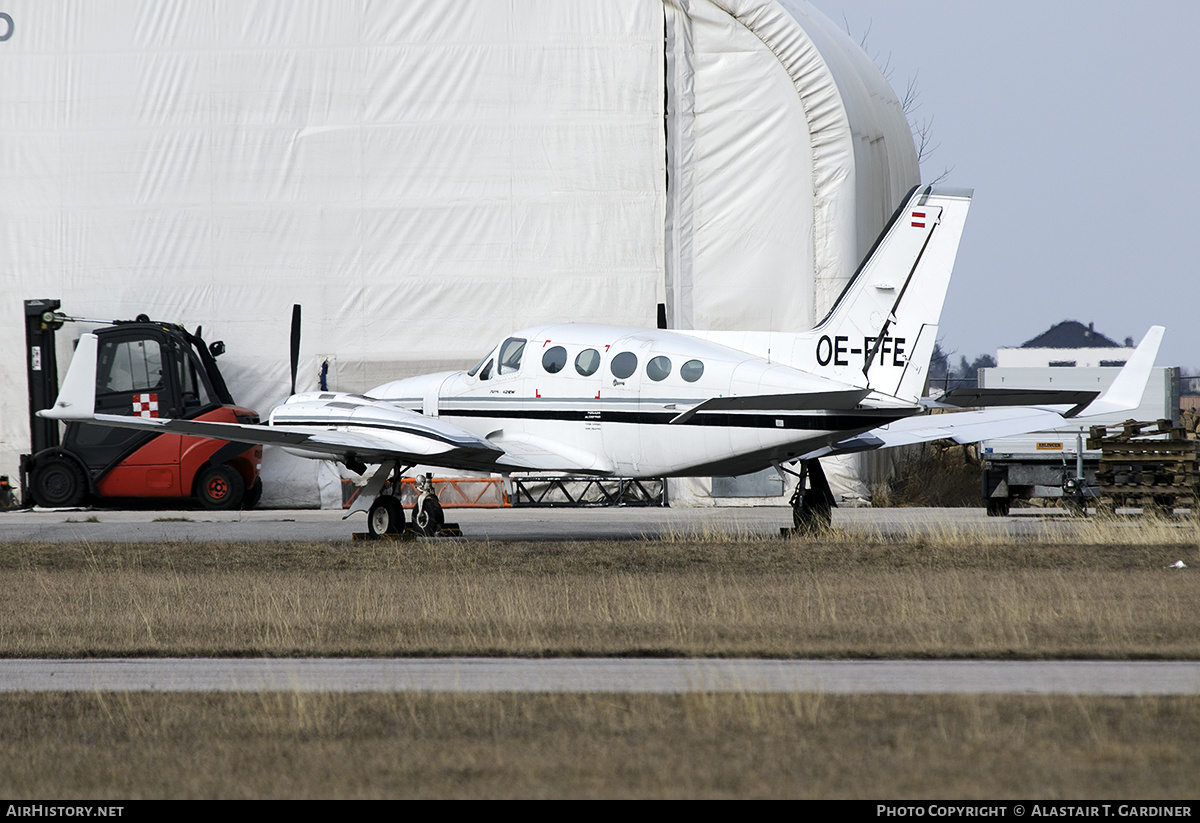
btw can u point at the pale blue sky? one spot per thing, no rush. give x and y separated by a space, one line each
1077 125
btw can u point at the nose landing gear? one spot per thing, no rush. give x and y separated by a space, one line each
386 515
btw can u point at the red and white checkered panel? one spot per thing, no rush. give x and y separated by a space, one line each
145 405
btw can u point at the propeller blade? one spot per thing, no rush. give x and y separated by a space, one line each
295 343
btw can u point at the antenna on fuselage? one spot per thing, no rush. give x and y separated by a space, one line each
295 344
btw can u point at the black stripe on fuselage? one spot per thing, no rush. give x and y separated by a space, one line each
814 422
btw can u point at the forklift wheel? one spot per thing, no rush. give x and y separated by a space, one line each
58 482
220 487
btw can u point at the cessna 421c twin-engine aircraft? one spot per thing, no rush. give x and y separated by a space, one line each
652 403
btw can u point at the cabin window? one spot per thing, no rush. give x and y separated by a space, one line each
486 374
658 368
129 365
188 372
510 355
691 370
587 362
554 359
624 364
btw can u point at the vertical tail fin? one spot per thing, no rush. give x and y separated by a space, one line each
884 324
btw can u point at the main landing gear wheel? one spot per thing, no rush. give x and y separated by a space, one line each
813 515
812 508
428 519
998 507
58 482
220 488
386 516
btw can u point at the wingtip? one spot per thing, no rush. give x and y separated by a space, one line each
1125 393
77 398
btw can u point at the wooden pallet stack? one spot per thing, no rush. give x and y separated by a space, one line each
1153 465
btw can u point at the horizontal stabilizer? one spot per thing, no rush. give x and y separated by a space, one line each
979 398
1125 394
805 401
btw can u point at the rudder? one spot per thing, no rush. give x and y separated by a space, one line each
884 324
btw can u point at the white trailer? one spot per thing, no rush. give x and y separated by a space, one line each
1056 463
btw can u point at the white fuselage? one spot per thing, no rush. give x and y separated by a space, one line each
602 399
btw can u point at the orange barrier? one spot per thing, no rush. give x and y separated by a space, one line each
452 492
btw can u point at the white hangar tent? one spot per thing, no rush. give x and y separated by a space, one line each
425 176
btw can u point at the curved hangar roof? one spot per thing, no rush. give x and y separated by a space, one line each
787 152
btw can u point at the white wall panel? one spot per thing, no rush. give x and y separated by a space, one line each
420 176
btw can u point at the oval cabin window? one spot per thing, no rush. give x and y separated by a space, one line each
624 364
554 359
658 368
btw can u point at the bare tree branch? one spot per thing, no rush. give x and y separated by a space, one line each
910 103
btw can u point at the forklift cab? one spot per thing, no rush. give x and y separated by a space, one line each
141 370
151 370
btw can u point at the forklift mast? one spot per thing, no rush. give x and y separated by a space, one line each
42 369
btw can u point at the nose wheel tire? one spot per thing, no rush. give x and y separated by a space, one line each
428 519
386 516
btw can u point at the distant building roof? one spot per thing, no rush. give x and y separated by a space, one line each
1070 334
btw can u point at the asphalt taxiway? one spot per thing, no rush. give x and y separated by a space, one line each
94 525
670 676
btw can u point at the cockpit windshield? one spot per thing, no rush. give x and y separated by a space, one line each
479 365
510 355
507 362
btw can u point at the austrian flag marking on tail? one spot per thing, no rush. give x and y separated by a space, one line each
145 405
918 221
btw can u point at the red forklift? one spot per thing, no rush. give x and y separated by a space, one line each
143 368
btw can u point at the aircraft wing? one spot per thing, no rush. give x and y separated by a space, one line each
527 452
961 427
354 430
429 441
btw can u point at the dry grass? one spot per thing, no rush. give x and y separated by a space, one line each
1087 590
302 745
941 594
